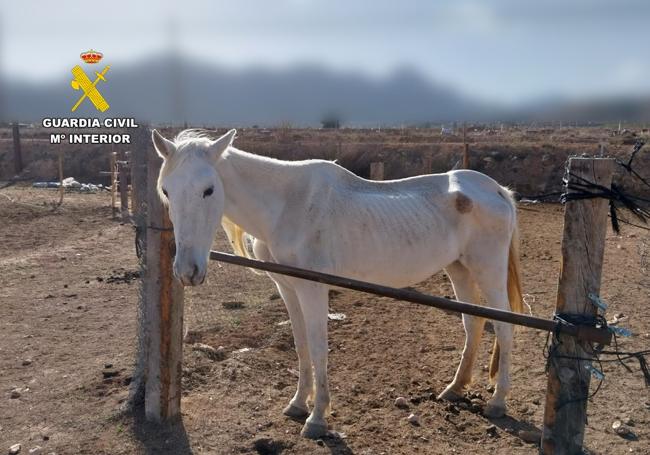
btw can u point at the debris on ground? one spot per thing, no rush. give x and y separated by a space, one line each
212 353
70 183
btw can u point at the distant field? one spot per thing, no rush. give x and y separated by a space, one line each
529 159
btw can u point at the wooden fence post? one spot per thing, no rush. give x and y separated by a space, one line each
18 154
377 171
61 189
123 178
113 183
583 246
465 148
163 307
427 164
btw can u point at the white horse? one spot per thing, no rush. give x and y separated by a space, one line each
317 215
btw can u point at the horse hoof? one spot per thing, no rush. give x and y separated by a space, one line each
450 395
492 411
313 430
295 412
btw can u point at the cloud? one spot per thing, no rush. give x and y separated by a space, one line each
473 16
632 74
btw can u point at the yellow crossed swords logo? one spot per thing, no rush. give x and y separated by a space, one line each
82 82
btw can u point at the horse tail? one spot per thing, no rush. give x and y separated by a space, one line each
237 237
515 295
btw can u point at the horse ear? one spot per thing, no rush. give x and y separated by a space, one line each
220 145
163 146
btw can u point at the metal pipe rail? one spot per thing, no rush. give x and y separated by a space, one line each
585 333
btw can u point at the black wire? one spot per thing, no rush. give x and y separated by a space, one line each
553 341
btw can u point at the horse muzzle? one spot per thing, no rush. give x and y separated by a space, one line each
190 274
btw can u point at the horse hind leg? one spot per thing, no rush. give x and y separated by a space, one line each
466 290
493 285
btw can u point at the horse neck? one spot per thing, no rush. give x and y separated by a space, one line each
254 188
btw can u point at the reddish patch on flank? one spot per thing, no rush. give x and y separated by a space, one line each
463 203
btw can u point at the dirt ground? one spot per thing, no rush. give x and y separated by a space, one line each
68 297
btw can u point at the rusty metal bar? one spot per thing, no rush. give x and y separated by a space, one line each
585 333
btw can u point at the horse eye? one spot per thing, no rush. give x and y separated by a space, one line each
165 193
208 192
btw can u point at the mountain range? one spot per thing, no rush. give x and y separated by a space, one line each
173 89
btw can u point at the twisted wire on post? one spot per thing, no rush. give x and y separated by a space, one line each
580 189
553 340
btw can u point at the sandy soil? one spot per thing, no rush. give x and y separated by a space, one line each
68 296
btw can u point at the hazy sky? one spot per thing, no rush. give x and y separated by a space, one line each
504 50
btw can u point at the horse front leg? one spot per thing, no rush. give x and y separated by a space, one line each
297 407
313 300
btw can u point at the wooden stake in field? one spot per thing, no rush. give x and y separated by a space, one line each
465 148
123 176
427 163
61 189
583 246
377 171
163 307
113 183
18 154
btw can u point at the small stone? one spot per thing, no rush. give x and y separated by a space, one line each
110 373
108 365
274 296
15 393
401 402
36 450
491 430
531 436
414 419
27 362
628 421
14 449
